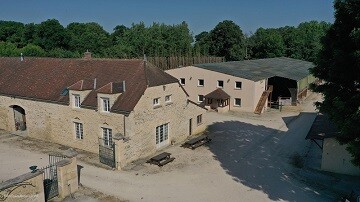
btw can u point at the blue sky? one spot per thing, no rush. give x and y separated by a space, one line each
201 15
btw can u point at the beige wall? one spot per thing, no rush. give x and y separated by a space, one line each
54 122
249 94
336 159
145 118
24 188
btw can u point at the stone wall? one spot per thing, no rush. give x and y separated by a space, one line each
67 176
24 188
55 123
145 118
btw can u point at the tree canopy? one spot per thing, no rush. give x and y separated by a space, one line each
338 65
226 39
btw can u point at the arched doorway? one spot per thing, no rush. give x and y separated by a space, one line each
19 117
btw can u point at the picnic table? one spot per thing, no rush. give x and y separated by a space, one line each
196 142
161 159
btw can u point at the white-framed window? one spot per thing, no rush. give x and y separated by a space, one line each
237 102
105 104
182 81
168 98
79 134
220 84
200 82
77 101
199 119
238 84
162 134
156 101
200 98
107 136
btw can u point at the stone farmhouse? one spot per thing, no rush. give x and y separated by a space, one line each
246 85
122 109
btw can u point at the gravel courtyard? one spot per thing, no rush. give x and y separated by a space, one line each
249 159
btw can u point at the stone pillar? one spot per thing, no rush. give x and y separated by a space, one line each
67 174
120 142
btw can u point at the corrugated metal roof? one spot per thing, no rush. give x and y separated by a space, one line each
256 70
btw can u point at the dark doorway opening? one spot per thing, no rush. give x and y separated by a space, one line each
284 88
19 118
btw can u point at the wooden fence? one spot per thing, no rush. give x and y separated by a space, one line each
166 63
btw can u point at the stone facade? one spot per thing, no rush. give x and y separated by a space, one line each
26 187
56 123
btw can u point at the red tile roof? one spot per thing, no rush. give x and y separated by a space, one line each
112 88
45 79
85 84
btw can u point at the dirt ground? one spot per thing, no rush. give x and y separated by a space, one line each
250 158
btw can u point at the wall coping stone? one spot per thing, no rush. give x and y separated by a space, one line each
70 153
19 179
63 162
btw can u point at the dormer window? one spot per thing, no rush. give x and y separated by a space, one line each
77 101
105 104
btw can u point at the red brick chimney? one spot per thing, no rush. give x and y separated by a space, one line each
87 55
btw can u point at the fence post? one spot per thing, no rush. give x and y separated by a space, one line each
68 174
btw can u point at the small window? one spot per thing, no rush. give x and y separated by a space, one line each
199 119
106 104
238 84
168 98
237 102
77 101
220 83
200 98
156 101
201 82
107 136
78 130
182 81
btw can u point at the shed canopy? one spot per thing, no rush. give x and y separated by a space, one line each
256 70
218 94
322 128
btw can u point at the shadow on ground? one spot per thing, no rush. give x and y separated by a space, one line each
245 152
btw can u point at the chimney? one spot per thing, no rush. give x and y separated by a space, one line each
21 57
87 55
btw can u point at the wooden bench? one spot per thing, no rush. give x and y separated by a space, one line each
196 142
161 159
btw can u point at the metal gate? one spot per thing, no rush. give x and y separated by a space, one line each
50 178
107 153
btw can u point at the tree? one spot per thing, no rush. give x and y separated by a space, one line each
202 43
51 34
310 34
267 43
32 51
87 36
11 32
227 40
338 65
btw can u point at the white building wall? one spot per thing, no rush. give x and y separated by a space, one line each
336 159
249 93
